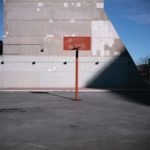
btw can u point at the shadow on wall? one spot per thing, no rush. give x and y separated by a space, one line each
120 73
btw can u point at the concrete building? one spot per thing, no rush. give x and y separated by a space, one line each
33 54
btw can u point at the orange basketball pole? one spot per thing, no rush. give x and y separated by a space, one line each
76 75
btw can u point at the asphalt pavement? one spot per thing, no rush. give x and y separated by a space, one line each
53 121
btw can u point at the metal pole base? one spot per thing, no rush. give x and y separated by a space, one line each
77 100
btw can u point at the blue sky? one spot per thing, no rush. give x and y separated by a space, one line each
131 19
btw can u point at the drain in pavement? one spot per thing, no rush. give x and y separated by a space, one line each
74 126
39 92
12 110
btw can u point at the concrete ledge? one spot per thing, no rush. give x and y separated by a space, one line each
72 90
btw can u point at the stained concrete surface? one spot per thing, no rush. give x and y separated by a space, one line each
52 121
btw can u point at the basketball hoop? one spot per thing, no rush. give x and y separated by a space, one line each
77 44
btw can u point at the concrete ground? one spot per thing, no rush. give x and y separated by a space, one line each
52 121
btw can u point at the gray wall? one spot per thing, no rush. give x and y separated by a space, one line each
30 25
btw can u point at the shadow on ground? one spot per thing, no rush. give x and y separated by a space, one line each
141 97
54 94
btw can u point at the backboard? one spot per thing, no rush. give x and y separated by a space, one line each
82 43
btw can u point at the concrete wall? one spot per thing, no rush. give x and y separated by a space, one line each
32 25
